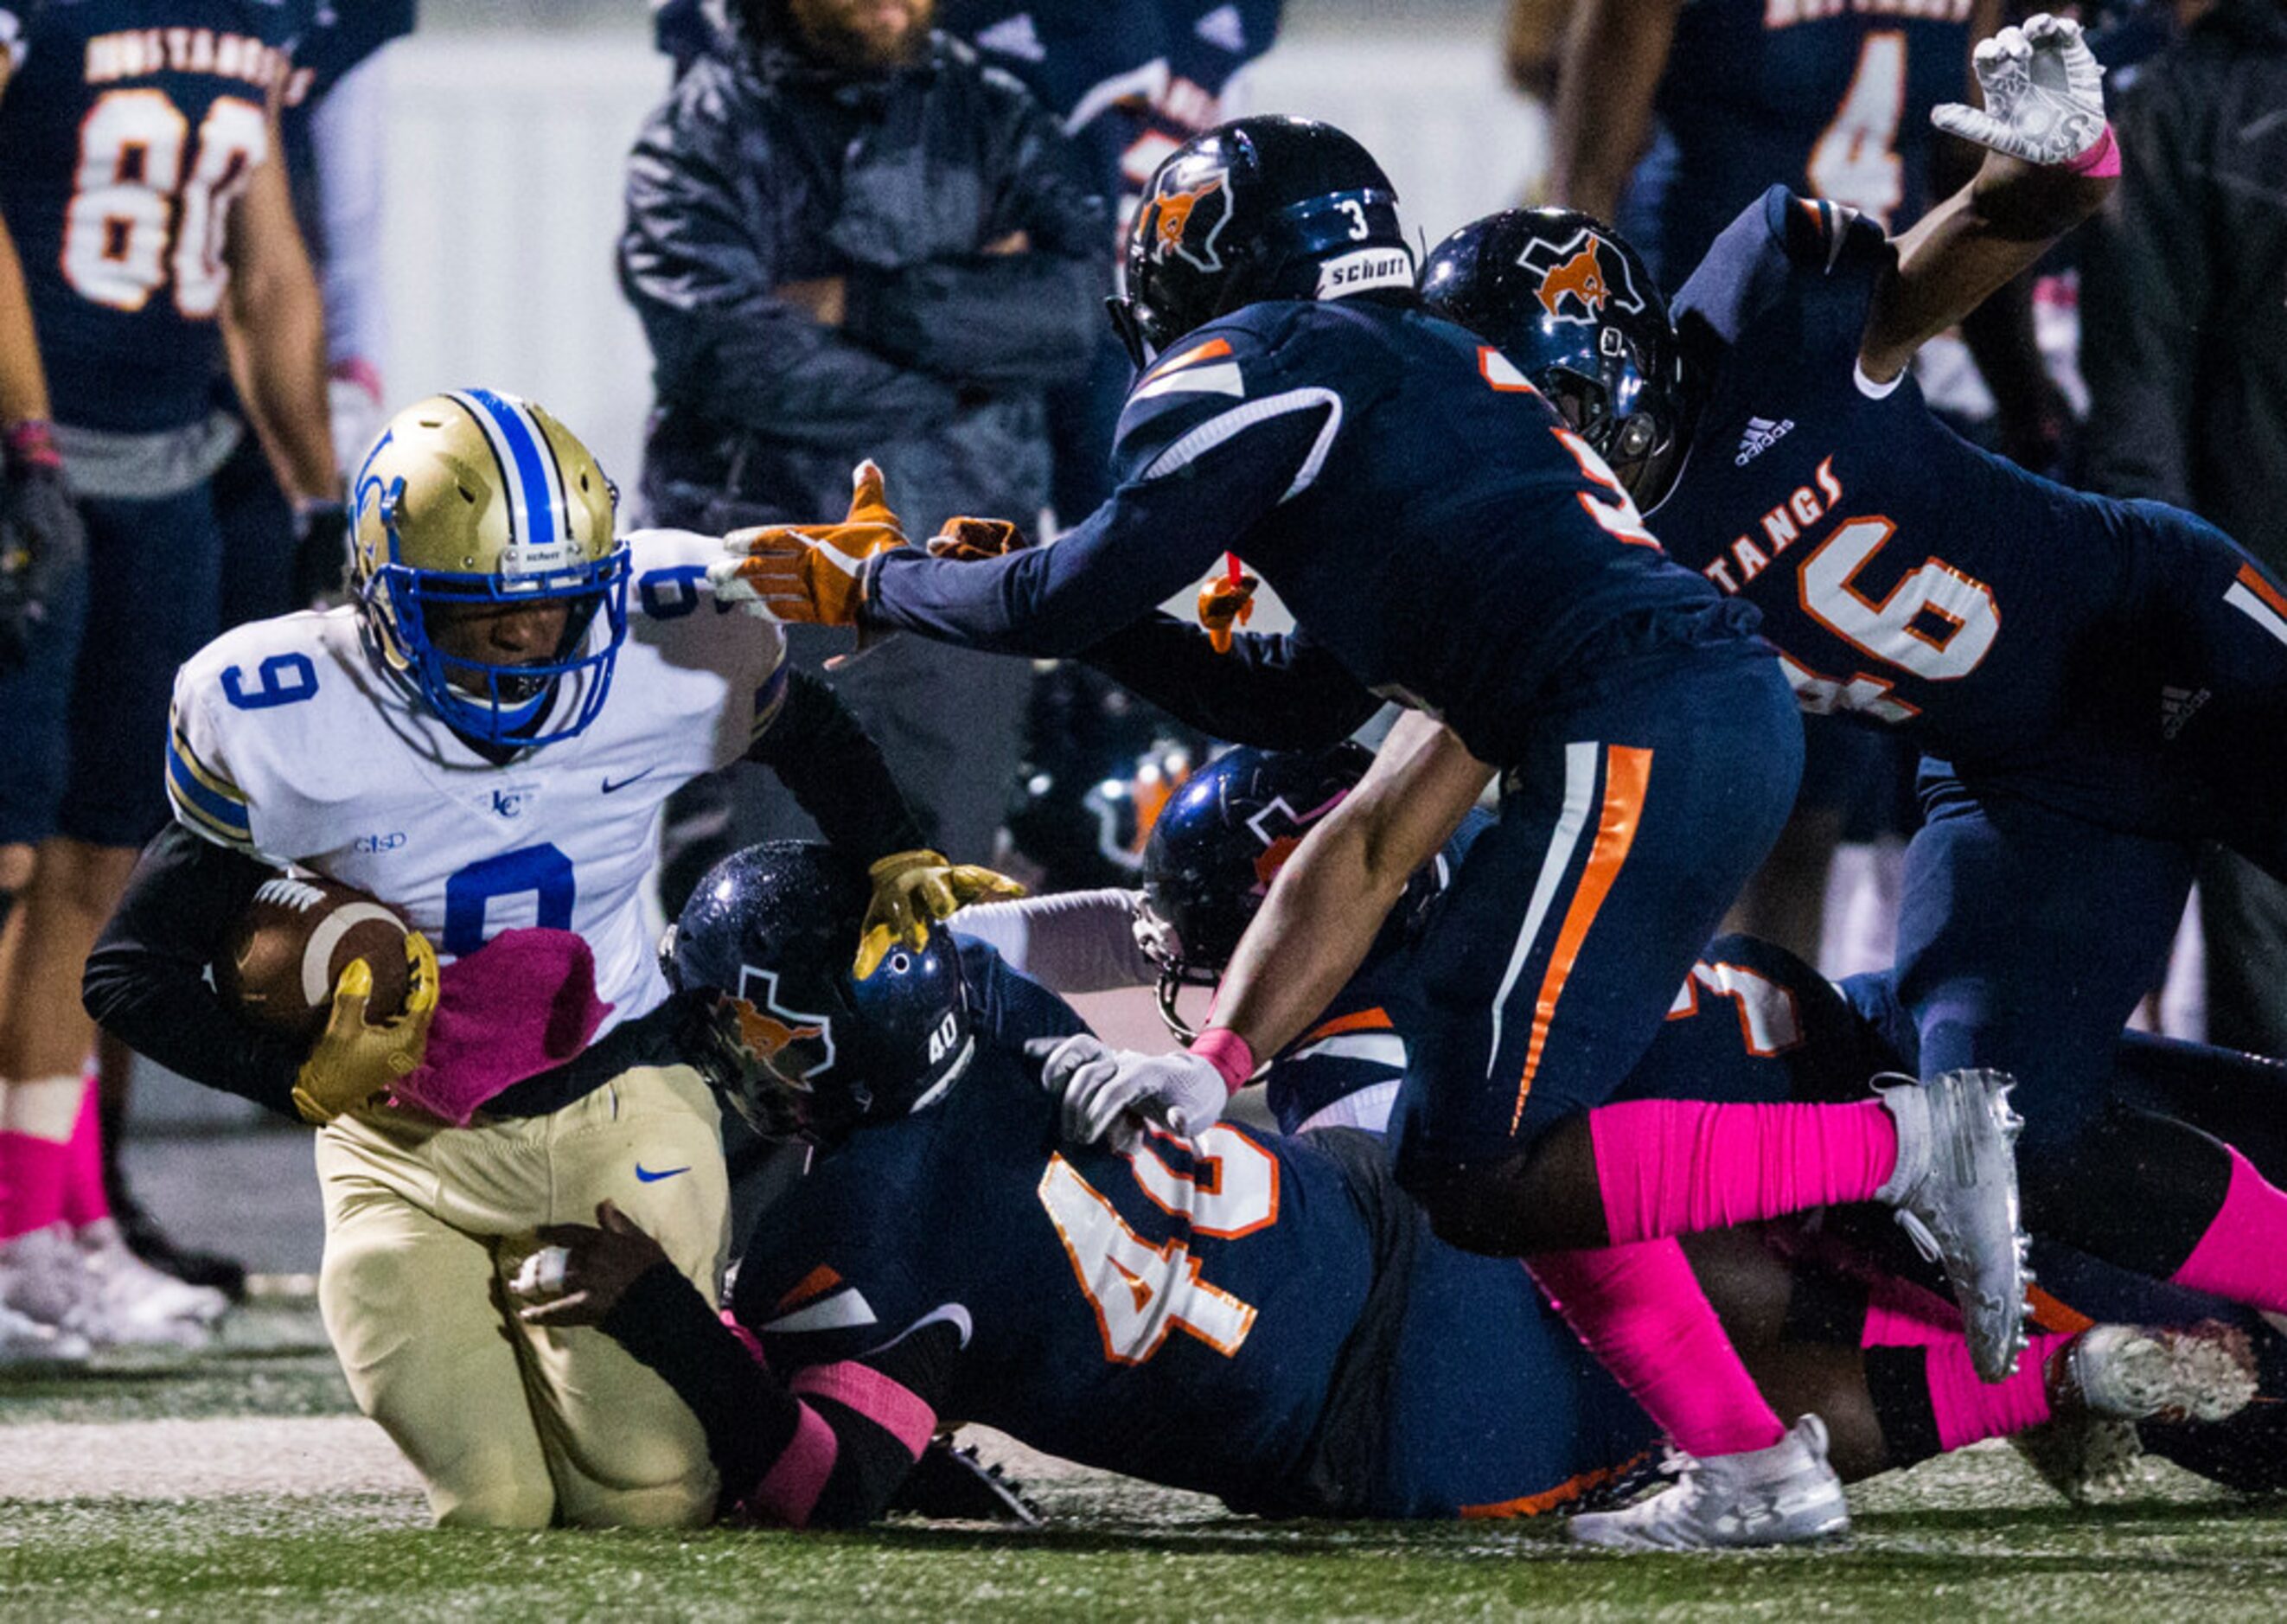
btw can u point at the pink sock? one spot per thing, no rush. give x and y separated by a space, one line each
1967 1408
1901 1314
36 1152
32 1183
2243 1254
1675 1167
84 1200
1639 1309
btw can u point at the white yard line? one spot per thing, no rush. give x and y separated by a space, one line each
198 1460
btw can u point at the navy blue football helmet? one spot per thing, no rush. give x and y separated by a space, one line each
799 1046
1571 305
1264 208
1221 842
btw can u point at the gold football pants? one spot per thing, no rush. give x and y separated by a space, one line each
510 1425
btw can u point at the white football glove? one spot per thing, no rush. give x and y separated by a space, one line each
1100 1085
2043 95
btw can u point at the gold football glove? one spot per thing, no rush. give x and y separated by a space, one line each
912 888
354 1061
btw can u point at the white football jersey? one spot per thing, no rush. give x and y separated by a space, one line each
290 744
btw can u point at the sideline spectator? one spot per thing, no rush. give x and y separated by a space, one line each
847 238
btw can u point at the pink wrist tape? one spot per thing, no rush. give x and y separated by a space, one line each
2100 161
31 444
1228 1052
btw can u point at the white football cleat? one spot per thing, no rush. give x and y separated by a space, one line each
40 1279
2112 1376
2146 1373
1787 1495
25 1341
128 1283
1955 1192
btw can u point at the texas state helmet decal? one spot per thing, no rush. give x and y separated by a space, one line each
1582 280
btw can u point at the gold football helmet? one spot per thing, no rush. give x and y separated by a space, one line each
476 497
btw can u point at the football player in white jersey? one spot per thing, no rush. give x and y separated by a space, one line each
484 739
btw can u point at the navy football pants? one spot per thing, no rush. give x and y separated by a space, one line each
1624 833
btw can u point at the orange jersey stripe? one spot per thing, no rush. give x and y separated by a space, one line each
1361 1020
1208 350
1563 1495
2253 580
817 1283
1627 770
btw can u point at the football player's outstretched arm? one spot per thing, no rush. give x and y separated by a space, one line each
1609 70
1329 901
2048 164
826 1449
1171 517
275 324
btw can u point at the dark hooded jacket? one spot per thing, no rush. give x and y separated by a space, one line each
765 166
2184 286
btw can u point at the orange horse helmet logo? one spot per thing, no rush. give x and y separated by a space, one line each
769 1030
1581 278
1187 223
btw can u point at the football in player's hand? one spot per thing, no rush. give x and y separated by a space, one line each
282 960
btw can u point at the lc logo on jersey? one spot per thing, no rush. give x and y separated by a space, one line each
512 800
1578 280
794 1045
1187 222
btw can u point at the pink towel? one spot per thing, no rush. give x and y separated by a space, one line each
520 1005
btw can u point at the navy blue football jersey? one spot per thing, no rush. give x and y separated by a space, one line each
1909 578
130 128
1412 499
1224 1315
1831 99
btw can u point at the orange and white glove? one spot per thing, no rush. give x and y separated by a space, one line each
811 574
1225 603
355 1061
973 541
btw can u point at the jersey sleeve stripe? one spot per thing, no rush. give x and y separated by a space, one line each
1218 429
196 794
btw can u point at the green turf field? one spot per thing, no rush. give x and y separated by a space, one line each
228 1485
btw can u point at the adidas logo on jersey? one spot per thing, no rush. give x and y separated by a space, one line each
1014 37
1762 435
2177 706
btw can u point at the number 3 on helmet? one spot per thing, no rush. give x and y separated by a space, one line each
480 499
